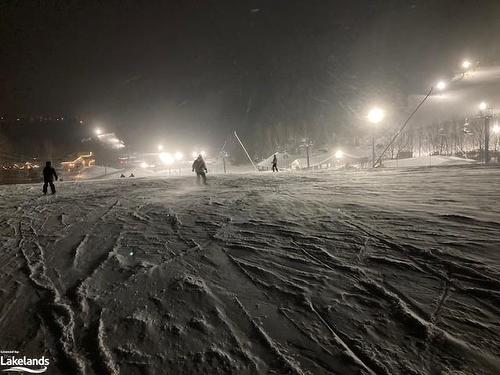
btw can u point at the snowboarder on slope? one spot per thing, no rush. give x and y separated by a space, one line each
49 174
200 168
275 164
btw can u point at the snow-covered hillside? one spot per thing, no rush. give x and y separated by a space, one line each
427 161
347 272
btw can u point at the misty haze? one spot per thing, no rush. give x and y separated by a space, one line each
250 187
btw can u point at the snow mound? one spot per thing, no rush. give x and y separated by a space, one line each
426 161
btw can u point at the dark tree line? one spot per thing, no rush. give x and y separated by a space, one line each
26 139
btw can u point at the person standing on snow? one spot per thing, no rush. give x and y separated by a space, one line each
200 168
49 174
275 164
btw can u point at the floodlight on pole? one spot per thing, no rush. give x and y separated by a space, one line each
483 106
466 64
98 131
339 154
166 158
376 115
441 85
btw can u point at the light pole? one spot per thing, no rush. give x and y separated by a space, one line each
496 131
483 107
99 132
224 155
375 116
179 156
306 143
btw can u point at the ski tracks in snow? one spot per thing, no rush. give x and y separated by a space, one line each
307 273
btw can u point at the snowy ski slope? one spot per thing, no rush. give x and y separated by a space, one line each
348 272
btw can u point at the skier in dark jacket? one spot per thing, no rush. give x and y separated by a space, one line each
275 164
200 168
49 174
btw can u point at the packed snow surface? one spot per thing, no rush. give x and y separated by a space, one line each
427 161
347 272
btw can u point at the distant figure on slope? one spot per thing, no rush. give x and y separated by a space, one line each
200 168
49 174
275 164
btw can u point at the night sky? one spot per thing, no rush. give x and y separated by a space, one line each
191 69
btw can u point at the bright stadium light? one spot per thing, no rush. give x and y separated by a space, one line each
466 64
160 147
441 85
166 158
178 155
98 131
339 154
376 115
144 165
483 106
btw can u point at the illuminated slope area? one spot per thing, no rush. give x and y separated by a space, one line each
377 272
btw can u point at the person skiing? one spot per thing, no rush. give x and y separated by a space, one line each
275 164
49 174
200 168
